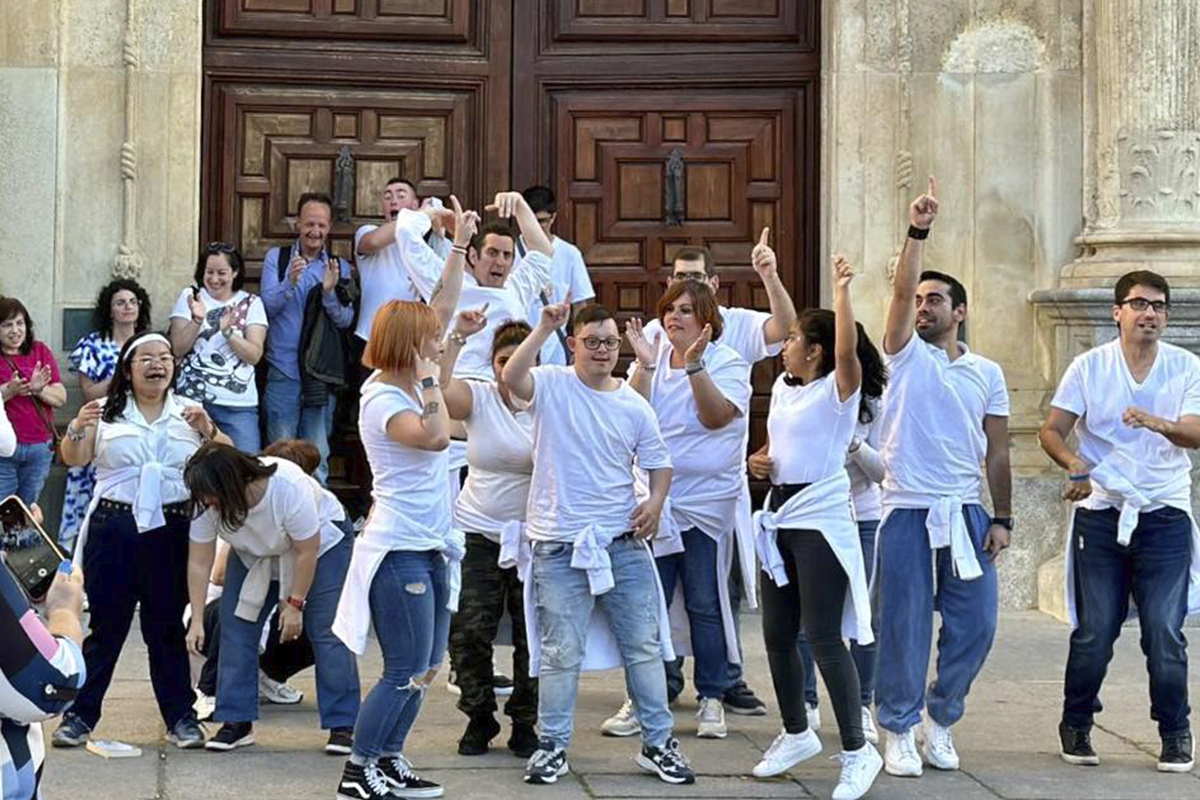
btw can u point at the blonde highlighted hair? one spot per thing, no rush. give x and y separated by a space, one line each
397 333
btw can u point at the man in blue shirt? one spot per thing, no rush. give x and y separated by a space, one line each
285 297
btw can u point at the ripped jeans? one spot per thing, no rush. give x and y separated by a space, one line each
408 609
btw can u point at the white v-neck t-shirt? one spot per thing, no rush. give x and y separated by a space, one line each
585 443
500 458
810 430
1098 387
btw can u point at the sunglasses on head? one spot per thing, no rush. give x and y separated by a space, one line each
220 247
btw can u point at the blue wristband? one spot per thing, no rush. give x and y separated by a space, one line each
1079 478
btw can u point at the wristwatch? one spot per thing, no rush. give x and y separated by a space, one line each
297 603
428 383
1006 522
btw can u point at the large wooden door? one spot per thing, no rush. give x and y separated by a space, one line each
667 123
417 88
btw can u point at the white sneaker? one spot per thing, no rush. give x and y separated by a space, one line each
859 769
712 719
788 750
900 755
452 683
281 694
938 746
868 725
623 723
814 717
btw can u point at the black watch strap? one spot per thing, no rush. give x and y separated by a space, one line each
917 233
1005 521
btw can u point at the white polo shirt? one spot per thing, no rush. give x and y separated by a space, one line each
931 427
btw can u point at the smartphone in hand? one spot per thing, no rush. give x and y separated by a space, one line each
29 553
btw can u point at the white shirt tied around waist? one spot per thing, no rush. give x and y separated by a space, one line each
823 506
945 524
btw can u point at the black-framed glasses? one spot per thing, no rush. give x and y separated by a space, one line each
696 275
594 343
1141 304
220 247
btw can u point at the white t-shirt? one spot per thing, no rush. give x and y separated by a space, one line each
584 446
931 428
294 506
384 275
212 372
742 331
508 302
810 429
411 487
705 463
1098 388
568 273
500 457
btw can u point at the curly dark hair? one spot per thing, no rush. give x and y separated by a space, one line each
102 317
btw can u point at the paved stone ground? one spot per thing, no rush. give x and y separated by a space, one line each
1008 743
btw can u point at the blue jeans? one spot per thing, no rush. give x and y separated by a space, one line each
1153 569
408 608
564 610
696 568
239 423
912 584
24 472
336 667
863 655
289 418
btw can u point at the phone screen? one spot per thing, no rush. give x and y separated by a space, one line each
29 553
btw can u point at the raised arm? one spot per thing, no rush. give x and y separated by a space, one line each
445 294
783 311
847 371
429 430
517 371
455 390
902 310
645 354
512 204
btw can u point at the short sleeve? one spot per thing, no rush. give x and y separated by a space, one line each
651 450
46 356
544 380
204 528
743 331
841 406
907 355
1191 388
360 233
997 401
581 282
180 309
298 511
478 391
256 313
731 375
385 404
1071 394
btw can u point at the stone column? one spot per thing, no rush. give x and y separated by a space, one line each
1142 141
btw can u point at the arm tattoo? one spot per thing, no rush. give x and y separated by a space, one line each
430 409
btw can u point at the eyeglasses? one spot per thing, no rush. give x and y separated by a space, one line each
699 275
593 343
220 247
147 361
1141 304
131 302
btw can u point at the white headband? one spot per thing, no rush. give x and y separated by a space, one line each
145 337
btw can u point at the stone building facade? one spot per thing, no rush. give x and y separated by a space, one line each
1064 135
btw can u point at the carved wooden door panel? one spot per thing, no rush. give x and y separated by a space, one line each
667 123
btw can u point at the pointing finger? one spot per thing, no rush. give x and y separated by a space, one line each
932 187
764 238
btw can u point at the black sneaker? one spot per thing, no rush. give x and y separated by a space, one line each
403 782
1077 745
739 699
524 740
667 762
363 782
187 734
1178 753
547 764
502 685
341 742
71 732
479 733
231 736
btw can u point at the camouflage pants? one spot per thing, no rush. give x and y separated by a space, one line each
487 591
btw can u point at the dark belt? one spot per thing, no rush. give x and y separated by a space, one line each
782 492
180 509
627 535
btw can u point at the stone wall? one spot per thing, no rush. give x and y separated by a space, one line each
988 97
100 113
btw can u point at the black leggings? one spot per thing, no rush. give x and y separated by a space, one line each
814 597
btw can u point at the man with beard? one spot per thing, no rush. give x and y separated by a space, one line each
946 411
285 291
1134 404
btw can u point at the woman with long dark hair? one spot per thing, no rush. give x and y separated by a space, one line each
218 332
808 542
134 540
287 551
122 312
31 389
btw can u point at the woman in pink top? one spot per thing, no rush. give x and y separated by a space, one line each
31 389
